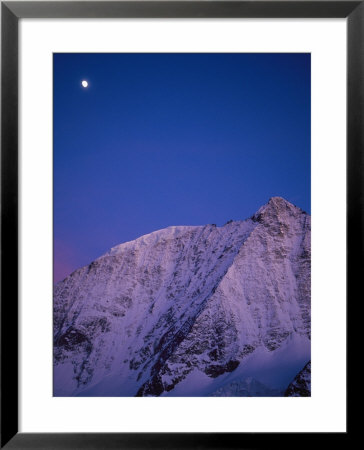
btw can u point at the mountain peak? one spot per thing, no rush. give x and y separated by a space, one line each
280 203
279 200
278 209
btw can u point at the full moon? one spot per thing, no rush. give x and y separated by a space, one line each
84 83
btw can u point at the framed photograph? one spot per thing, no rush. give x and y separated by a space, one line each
161 162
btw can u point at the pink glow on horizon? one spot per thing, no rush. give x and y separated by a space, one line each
63 261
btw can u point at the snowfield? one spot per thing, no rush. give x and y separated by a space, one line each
190 311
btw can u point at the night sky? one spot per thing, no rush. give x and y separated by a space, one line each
173 139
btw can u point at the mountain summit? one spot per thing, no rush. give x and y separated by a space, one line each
190 311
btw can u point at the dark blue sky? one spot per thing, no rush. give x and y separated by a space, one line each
173 139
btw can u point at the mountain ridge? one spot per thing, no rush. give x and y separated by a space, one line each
148 302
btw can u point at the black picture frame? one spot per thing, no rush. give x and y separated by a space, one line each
11 12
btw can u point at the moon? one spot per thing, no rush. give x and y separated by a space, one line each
84 83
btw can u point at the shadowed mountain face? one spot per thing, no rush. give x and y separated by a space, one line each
301 385
190 311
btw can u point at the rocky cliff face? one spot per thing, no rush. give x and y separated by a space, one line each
186 310
301 385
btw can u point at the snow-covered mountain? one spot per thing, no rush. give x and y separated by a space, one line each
190 311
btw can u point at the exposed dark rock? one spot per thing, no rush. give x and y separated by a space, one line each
216 370
301 385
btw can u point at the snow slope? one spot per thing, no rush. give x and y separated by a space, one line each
190 311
